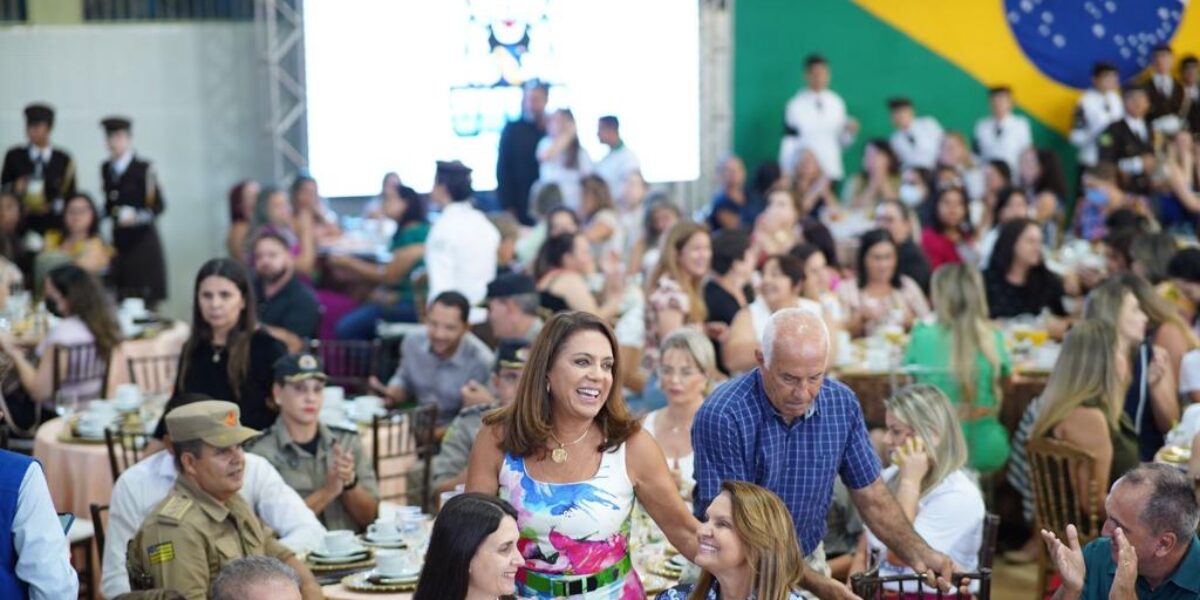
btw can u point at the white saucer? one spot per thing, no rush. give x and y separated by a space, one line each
328 560
327 555
364 416
406 577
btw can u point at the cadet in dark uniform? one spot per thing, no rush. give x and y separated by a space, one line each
1129 143
325 465
41 176
133 200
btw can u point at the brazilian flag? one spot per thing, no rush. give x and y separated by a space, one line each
943 54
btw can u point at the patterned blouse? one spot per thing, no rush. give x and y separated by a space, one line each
681 591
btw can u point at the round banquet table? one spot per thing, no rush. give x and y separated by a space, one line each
78 473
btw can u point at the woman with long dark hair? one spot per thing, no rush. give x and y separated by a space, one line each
395 299
228 356
242 198
881 295
88 317
79 239
562 160
1017 280
949 238
473 551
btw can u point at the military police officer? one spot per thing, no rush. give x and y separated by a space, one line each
41 175
325 465
204 523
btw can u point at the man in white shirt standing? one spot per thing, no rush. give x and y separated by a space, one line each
916 140
620 162
460 252
1098 107
144 485
815 118
1003 135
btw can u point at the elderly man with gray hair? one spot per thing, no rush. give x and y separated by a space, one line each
1149 548
786 427
256 578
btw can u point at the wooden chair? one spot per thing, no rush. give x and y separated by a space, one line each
871 586
124 449
79 366
98 520
81 537
405 436
348 363
987 546
154 375
1052 468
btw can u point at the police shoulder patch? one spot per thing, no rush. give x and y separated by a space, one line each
161 553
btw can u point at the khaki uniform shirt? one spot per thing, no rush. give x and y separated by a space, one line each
189 536
306 473
452 458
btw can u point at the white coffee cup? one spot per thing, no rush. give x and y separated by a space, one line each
128 396
339 541
367 405
384 529
405 511
392 563
133 306
333 395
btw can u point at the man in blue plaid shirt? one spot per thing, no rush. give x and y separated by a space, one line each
786 427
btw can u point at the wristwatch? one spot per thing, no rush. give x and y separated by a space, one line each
349 486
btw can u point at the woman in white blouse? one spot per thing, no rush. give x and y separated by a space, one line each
929 481
562 160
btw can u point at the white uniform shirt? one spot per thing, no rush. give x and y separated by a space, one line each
43 555
1004 139
919 145
820 120
460 252
615 169
142 486
1093 114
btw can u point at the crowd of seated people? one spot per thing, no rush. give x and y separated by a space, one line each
689 363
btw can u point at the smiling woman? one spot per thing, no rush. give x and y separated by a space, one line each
747 548
570 459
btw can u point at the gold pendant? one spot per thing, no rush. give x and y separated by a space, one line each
559 455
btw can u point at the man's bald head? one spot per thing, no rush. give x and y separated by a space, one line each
795 329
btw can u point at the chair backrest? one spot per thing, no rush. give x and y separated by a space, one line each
987 546
98 511
77 368
348 363
1053 467
872 586
403 444
154 375
124 449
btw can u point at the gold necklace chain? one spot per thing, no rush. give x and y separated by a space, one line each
559 454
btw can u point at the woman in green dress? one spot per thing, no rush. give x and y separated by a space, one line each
961 353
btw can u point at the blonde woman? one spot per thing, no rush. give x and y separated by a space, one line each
1150 398
1167 328
1084 397
748 549
928 479
601 223
964 356
686 368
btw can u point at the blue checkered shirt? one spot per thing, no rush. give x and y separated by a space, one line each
738 434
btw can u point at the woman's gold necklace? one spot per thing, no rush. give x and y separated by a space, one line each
559 454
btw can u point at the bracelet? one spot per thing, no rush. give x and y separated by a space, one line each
353 483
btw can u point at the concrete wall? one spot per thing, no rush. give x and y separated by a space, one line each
193 91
